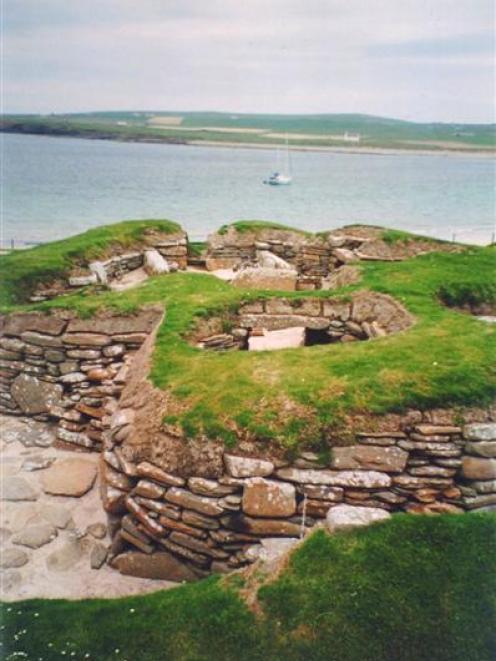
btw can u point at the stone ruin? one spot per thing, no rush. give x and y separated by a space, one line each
289 260
278 323
182 509
157 253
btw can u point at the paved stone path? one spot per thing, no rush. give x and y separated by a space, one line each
51 545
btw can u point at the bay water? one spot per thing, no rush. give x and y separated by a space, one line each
56 187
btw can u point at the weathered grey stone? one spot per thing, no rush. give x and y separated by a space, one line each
148 470
86 339
161 565
41 340
37 463
198 520
484 486
266 279
58 515
97 530
271 549
247 467
197 545
364 479
148 489
283 321
69 477
35 536
479 431
73 377
434 430
477 502
77 438
369 457
477 468
321 492
263 527
202 504
83 280
34 395
17 323
13 558
204 487
286 338
98 555
481 448
345 517
84 354
65 557
154 263
268 498
16 488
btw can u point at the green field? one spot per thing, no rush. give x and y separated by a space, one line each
302 130
299 396
411 589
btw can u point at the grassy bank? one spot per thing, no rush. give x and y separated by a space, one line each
298 396
22 270
412 589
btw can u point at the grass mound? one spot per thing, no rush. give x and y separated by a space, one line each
20 271
256 226
412 589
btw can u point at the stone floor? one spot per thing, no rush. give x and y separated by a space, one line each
52 527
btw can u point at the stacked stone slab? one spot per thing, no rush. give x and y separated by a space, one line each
479 466
366 315
173 247
69 370
315 258
213 524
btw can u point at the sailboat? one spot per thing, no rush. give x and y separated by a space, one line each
281 178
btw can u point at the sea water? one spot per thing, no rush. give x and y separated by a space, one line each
56 187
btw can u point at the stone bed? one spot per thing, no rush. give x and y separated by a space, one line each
264 324
179 510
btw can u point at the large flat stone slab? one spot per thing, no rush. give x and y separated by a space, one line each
69 477
34 395
16 488
35 536
369 457
287 338
160 565
268 498
478 468
351 478
345 517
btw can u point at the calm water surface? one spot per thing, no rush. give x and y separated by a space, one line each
55 187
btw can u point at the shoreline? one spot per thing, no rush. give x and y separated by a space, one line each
334 149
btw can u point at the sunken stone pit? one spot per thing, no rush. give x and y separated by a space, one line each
277 323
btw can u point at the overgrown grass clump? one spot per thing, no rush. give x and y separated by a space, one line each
411 589
22 270
244 226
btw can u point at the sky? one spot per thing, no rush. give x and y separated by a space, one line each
422 60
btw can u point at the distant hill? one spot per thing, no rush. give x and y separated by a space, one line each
323 130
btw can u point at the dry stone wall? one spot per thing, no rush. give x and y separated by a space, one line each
69 370
173 248
184 516
217 524
364 316
314 258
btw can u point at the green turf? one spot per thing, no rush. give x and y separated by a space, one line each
302 396
412 589
244 226
20 271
